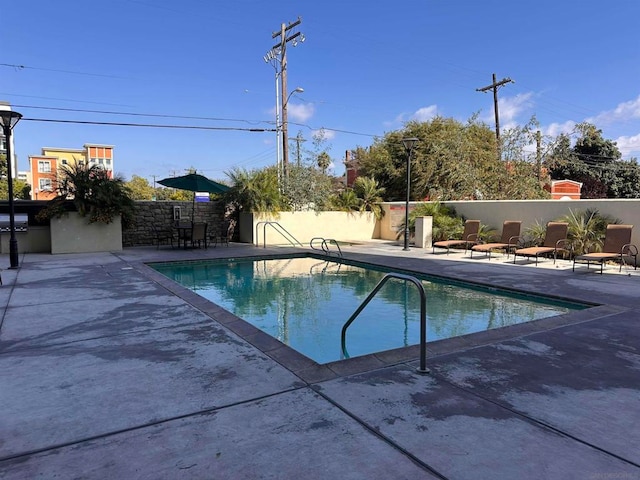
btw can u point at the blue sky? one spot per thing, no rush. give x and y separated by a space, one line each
366 68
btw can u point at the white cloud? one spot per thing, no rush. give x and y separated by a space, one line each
623 112
300 112
556 129
425 113
629 146
510 107
328 134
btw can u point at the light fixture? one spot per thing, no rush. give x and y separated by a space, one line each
408 143
8 120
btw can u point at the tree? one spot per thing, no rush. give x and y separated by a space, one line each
596 163
369 194
451 161
307 188
21 189
324 162
94 194
140 188
255 190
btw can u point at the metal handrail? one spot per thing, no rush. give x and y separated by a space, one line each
326 264
278 228
325 245
423 316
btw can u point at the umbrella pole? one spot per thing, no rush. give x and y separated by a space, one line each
193 208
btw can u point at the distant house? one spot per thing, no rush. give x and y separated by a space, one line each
44 168
351 166
564 189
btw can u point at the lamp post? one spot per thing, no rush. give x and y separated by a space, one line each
8 120
285 132
408 143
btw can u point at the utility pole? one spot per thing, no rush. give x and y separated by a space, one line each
494 86
298 139
282 48
538 153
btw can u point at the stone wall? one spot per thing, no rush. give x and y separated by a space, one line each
161 213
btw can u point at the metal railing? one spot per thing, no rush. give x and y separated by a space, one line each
278 228
325 266
423 316
324 245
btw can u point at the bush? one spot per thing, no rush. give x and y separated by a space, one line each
94 194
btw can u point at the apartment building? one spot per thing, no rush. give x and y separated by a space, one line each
44 167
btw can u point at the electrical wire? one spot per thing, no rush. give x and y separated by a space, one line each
155 115
149 125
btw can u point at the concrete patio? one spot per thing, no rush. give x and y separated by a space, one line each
110 371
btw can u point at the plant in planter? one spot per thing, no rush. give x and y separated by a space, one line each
93 194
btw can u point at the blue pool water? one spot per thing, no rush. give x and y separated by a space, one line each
304 302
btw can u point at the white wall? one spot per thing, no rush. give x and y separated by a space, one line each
345 226
494 212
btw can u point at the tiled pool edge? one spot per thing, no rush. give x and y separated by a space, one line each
312 372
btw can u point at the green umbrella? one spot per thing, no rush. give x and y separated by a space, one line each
194 182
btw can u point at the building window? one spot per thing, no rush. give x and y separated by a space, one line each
44 166
3 144
45 184
64 161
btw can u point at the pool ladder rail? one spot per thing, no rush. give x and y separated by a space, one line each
324 245
423 316
325 264
278 228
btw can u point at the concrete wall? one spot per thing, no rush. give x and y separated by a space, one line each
494 212
345 226
72 233
35 240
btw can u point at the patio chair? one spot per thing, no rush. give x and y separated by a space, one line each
469 237
508 240
161 235
555 240
223 236
199 234
617 246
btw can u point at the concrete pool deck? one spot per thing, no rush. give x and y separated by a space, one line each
107 370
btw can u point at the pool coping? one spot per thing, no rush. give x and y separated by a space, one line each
312 372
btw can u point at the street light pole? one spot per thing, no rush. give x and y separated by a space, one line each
285 131
8 120
408 143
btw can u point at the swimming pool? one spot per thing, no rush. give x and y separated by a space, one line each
305 301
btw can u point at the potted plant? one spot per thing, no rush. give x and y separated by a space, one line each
102 206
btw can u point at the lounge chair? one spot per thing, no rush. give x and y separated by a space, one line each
555 240
469 237
508 240
617 246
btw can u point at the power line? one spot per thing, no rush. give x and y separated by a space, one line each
24 67
134 114
149 125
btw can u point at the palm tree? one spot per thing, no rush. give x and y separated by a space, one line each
93 193
370 195
587 230
346 201
256 190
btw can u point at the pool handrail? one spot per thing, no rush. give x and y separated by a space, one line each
324 245
278 228
423 316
